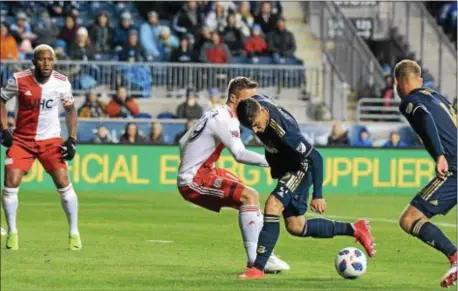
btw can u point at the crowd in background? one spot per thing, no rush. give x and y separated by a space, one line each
445 14
192 31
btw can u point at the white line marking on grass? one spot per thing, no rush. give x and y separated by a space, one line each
445 224
160 241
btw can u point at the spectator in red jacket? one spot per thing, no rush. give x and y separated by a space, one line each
215 52
122 106
256 46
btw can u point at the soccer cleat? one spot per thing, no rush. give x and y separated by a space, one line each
75 242
12 241
252 273
449 278
275 265
364 236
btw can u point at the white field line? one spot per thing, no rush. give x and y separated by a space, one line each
160 241
445 224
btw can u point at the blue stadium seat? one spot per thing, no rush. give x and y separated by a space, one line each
144 115
166 115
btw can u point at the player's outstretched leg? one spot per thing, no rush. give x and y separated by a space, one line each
326 228
414 222
251 223
69 202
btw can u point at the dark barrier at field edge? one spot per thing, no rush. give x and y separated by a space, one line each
154 169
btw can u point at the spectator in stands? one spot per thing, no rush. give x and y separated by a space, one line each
101 33
102 136
394 141
156 135
244 18
338 136
183 54
11 121
92 107
266 19
190 109
388 92
188 20
22 30
73 10
167 43
149 36
364 139
233 37
131 135
46 30
82 49
217 19
121 33
132 51
204 37
56 9
214 99
282 43
68 32
121 106
215 52
8 44
256 46
187 126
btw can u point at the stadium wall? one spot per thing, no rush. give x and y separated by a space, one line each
154 169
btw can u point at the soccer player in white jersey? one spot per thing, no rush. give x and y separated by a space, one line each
201 183
39 90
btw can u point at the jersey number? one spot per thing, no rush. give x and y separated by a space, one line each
200 126
450 111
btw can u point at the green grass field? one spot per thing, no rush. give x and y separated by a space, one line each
206 251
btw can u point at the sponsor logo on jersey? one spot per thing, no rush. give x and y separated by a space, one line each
217 183
37 103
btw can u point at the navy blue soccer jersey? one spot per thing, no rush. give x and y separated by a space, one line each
286 148
434 119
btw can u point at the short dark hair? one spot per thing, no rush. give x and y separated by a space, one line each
247 110
406 68
239 83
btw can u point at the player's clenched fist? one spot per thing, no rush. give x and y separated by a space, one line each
69 149
318 205
7 138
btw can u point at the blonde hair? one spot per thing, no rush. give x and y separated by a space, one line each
405 69
42 48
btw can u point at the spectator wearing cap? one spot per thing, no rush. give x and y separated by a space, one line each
394 141
21 30
121 33
101 33
190 109
282 43
132 51
363 139
92 107
216 20
215 52
232 36
68 32
8 44
266 19
101 136
244 18
82 49
214 99
122 106
149 35
187 126
188 20
156 135
256 46
167 43
46 30
183 54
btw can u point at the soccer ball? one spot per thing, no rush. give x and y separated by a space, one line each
351 263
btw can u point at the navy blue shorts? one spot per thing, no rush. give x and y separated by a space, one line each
438 197
293 191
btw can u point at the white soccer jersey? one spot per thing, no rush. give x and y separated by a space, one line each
202 145
37 107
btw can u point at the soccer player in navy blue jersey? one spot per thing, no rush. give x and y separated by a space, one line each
297 165
434 119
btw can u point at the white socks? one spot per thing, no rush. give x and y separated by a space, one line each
250 222
70 205
10 205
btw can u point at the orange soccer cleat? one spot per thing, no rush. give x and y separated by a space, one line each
252 273
364 236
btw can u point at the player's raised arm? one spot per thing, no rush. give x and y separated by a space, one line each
6 93
235 145
71 118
